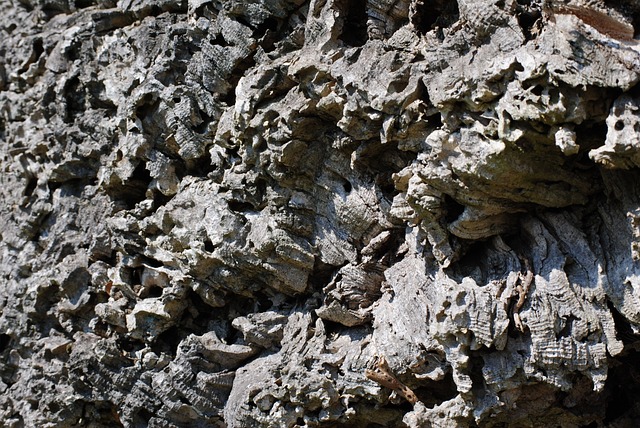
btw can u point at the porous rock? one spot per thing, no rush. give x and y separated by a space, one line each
227 213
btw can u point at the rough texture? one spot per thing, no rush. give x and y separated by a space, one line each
313 213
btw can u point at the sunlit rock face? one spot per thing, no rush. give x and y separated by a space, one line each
324 213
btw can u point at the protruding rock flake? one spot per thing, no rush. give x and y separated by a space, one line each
319 213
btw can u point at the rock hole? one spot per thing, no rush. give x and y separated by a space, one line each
81 4
435 120
624 332
26 5
566 330
263 302
240 206
219 40
147 108
469 266
229 98
203 127
96 96
433 393
430 15
537 90
38 48
208 246
142 418
354 29
269 24
575 273
622 389
554 96
200 316
206 10
167 342
333 328
266 32
51 9
619 126
129 345
398 86
160 200
5 339
100 328
241 20
423 93
232 152
46 300
135 188
74 97
53 186
153 262
32 183
476 364
322 274
619 403
527 20
453 209
347 187
589 135
201 166
154 291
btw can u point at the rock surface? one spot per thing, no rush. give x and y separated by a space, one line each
288 213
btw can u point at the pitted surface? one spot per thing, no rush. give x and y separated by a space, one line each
319 213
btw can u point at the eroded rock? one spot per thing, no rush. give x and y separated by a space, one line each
227 213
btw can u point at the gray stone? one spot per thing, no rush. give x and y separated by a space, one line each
229 213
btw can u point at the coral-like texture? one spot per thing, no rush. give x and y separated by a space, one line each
319 213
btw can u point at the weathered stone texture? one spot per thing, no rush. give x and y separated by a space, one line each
227 213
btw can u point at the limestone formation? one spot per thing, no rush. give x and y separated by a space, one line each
319 213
